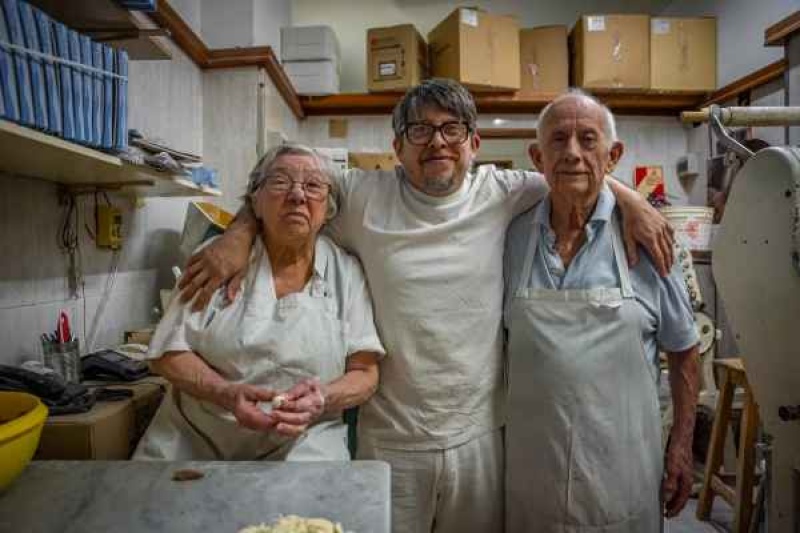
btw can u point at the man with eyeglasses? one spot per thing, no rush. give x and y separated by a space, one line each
430 236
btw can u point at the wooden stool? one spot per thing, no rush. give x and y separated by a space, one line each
741 498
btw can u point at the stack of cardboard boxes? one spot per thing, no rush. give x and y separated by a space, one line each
637 52
479 49
310 57
489 52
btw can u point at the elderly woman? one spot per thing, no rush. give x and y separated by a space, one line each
268 375
583 436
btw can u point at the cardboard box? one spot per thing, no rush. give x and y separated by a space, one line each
611 52
397 58
373 160
313 78
683 54
109 431
544 60
478 49
105 432
309 43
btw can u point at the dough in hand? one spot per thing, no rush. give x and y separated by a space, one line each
276 403
296 524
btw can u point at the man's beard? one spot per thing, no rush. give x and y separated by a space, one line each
439 184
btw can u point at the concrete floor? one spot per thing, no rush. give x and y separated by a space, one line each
686 522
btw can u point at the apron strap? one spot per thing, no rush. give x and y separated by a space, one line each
620 257
527 265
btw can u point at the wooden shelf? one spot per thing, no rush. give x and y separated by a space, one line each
627 102
91 16
745 84
778 34
29 153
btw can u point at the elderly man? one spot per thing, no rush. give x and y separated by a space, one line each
583 434
430 237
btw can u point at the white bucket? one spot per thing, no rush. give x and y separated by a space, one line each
692 225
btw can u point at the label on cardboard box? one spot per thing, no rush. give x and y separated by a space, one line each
596 23
469 17
387 69
659 26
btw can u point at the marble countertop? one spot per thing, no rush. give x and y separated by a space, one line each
141 496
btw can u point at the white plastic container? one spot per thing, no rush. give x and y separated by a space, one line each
309 43
313 78
692 225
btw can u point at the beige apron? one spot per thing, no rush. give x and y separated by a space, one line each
260 341
583 433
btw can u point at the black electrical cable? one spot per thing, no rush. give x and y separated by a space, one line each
68 234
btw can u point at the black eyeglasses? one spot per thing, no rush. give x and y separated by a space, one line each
421 133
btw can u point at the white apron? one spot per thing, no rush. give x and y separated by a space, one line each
583 434
260 341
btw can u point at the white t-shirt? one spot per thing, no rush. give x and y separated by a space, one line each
435 270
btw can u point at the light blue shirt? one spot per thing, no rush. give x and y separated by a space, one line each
668 322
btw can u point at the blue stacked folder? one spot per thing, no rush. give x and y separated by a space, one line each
138 5
61 82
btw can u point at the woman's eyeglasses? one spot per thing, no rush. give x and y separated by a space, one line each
314 189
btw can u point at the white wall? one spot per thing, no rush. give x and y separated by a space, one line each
235 23
231 128
740 31
189 10
350 20
227 24
268 18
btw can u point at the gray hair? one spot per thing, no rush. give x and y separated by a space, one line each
609 123
262 170
445 94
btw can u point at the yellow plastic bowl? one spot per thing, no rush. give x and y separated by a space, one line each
22 417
